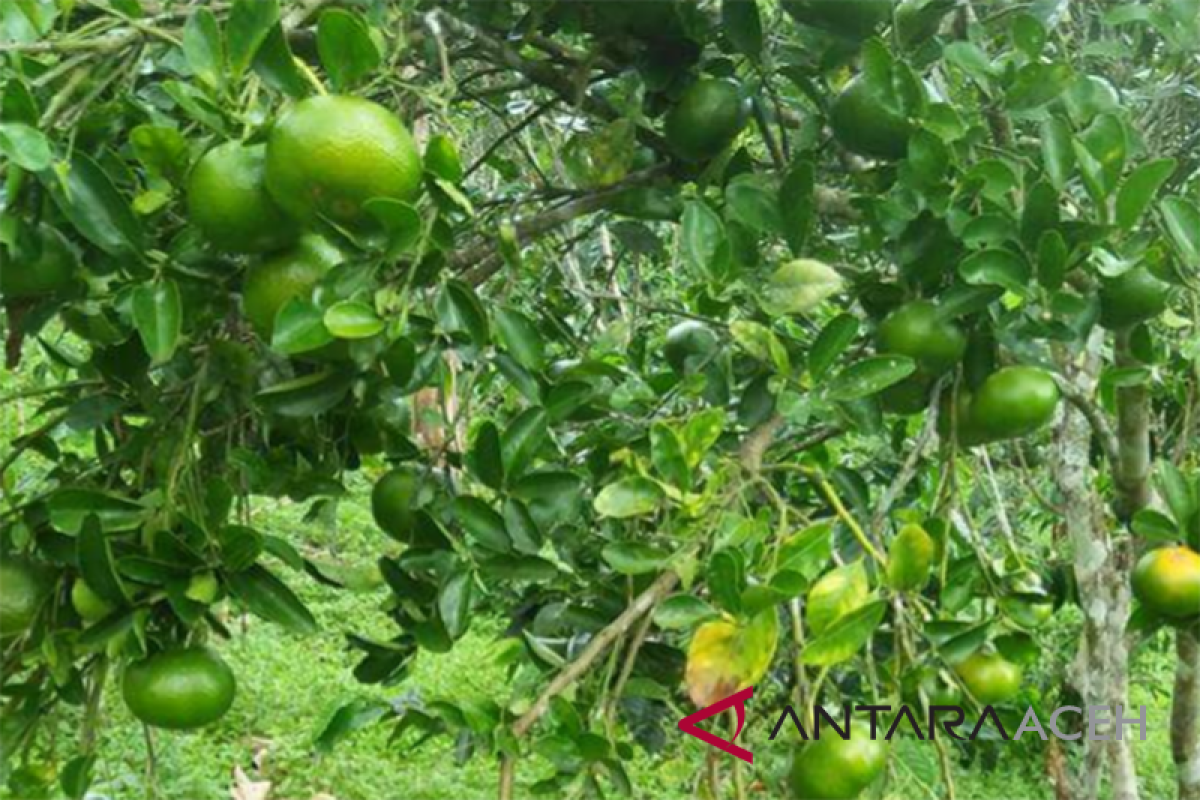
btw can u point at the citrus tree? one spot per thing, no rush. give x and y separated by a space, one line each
830 347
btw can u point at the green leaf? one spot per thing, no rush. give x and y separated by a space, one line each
307 396
634 558
348 51
76 776
968 57
632 496
467 312
761 342
682 611
96 562
838 592
1138 190
399 219
1041 212
869 376
70 507
554 497
522 439
276 65
87 197
846 637
454 603
162 150
742 24
800 286
299 328
808 551
1052 257
482 523
158 317
352 319
486 459
700 433
1106 140
520 338
998 267
703 237
270 598
666 452
25 146
797 204
204 49
249 24
1058 151
522 528
348 718
1182 218
1155 526
1029 35
831 342
1038 84
443 160
749 202
726 578
1177 491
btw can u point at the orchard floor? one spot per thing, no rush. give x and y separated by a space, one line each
289 686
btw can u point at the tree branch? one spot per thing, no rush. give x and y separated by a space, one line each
1093 414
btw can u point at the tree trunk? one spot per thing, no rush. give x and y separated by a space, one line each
1101 572
1185 732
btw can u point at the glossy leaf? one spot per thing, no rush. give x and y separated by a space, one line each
482 524
249 24
1138 190
869 376
270 598
158 316
25 146
742 24
633 496
348 51
351 319
520 338
842 640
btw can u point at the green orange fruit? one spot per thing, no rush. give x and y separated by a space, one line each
989 677
228 201
1014 402
42 263
1131 298
24 587
865 122
331 154
90 606
179 689
690 345
833 768
394 503
1167 581
269 285
910 559
915 330
854 19
708 117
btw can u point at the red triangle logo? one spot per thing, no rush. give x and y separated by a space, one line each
737 700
